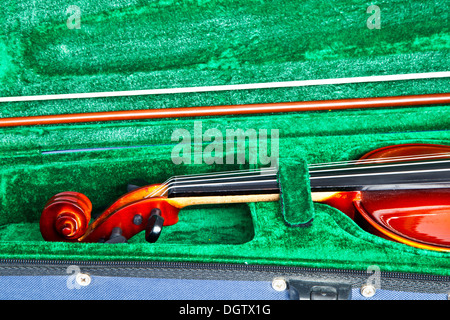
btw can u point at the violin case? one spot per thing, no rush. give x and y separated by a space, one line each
288 249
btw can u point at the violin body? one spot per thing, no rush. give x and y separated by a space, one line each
417 216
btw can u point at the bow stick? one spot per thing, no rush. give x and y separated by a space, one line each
227 110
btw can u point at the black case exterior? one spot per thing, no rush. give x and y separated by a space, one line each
61 280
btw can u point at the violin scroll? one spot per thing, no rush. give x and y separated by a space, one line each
65 217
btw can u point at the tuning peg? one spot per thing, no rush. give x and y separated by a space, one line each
154 226
136 184
116 236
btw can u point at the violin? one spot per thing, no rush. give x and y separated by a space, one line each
399 192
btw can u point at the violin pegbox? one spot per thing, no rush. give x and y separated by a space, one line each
154 226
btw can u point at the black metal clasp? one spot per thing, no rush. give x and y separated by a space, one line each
311 290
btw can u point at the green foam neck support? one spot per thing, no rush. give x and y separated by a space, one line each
295 198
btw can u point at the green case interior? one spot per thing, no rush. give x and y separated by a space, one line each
167 44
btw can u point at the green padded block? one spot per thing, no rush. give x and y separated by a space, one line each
296 204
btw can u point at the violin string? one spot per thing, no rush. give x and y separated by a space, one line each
166 184
387 166
219 181
168 188
221 184
258 171
317 165
224 178
256 182
384 173
386 159
218 176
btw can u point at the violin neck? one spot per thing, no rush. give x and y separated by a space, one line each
330 178
381 176
232 183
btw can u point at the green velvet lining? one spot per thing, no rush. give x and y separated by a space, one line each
253 233
220 224
125 45
296 204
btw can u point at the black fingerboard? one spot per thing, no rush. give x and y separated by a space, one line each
392 176
262 181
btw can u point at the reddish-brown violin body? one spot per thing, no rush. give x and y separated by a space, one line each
416 217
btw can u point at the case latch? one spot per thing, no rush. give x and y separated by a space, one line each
311 290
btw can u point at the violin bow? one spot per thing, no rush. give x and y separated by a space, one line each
227 110
231 110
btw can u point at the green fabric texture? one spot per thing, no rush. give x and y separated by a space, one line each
295 198
132 45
